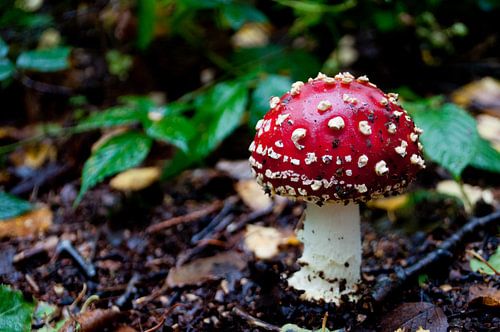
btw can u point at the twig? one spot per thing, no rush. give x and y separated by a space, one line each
255 321
41 247
190 217
323 324
481 258
66 246
213 226
164 317
386 285
131 289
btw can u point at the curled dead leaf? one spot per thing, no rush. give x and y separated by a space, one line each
91 321
252 195
135 179
414 316
485 295
30 223
264 242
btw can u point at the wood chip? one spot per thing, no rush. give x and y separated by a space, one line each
135 179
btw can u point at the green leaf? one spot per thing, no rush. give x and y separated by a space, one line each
238 14
486 157
11 206
6 69
218 113
45 60
111 117
146 26
4 48
271 85
477 266
205 4
119 153
175 130
450 135
15 311
296 328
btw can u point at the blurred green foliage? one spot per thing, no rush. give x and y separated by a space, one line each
248 50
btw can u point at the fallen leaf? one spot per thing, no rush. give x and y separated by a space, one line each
485 295
483 94
135 179
206 269
91 321
474 194
389 204
494 261
236 169
415 315
489 129
264 242
31 223
34 155
15 311
252 195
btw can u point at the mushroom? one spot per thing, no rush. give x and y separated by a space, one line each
334 142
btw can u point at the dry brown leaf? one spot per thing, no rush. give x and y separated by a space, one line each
236 169
30 223
264 242
474 194
252 195
206 269
34 155
483 94
135 179
485 295
489 129
415 316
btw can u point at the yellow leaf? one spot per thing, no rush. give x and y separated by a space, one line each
264 242
135 179
31 223
252 195
483 94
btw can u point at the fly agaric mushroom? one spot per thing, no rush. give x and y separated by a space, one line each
334 142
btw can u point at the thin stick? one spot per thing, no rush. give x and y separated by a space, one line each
386 285
190 217
255 321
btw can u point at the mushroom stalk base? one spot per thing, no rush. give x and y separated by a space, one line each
331 260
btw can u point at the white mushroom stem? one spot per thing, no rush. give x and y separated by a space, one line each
331 260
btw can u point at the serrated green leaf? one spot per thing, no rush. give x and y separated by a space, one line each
237 14
4 48
175 130
6 69
45 60
477 266
11 206
271 85
15 311
111 117
450 135
119 153
486 157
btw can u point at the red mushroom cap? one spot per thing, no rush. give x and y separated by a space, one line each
336 139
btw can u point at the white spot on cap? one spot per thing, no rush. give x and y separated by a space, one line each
329 80
381 168
348 172
413 137
290 190
274 101
363 79
420 146
281 118
361 188
272 154
418 130
393 95
297 135
401 150
327 159
296 87
397 114
251 148
391 128
348 158
279 143
362 161
339 161
310 158
324 105
364 128
302 191
294 161
320 76
336 123
258 125
316 185
384 102
416 159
